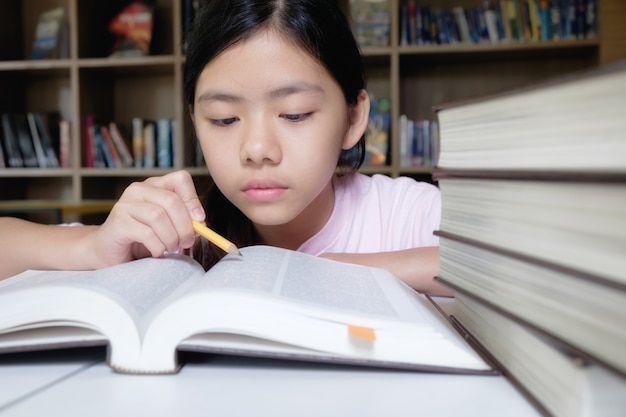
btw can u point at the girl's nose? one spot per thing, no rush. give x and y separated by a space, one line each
260 145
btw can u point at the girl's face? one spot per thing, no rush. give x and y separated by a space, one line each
272 122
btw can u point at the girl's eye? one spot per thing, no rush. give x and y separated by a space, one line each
224 122
296 117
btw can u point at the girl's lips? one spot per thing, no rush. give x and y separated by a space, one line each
264 190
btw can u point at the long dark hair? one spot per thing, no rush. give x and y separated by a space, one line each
320 28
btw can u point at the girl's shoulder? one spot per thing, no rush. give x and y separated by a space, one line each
357 183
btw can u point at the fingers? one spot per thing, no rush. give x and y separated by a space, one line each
181 183
156 214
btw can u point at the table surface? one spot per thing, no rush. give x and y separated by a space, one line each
79 383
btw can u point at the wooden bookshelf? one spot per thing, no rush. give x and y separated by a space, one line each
413 78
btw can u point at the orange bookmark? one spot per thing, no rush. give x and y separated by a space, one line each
363 333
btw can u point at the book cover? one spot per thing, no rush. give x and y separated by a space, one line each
133 28
269 302
377 139
51 36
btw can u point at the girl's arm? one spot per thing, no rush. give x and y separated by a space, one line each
150 218
26 245
416 266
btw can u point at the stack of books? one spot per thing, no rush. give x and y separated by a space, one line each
533 234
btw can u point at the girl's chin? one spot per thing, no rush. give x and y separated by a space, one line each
268 217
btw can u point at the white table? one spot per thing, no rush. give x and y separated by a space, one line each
79 383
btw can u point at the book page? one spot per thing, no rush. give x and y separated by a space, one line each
138 286
309 281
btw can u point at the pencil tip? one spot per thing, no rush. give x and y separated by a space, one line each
233 250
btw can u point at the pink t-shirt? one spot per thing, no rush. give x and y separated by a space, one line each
378 214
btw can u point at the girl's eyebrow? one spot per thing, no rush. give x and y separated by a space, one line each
282 91
294 88
218 96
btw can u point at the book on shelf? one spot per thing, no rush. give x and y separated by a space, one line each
164 142
133 27
579 125
111 153
51 35
24 141
149 144
89 141
269 302
10 142
371 23
557 380
137 141
2 162
41 137
495 22
121 145
418 141
105 146
64 143
377 139
37 143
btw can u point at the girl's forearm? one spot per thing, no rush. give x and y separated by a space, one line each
26 245
416 266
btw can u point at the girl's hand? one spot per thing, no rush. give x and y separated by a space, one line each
150 218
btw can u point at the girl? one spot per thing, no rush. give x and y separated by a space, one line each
277 96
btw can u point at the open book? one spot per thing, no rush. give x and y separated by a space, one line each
268 302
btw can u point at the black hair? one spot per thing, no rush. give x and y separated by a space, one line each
320 28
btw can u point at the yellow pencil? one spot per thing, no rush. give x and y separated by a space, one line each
220 241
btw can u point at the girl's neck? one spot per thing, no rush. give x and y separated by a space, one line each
311 220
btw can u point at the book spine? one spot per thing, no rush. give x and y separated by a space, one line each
120 144
556 28
591 19
41 156
149 140
403 140
52 161
14 157
459 14
89 141
115 160
546 22
25 141
164 142
64 144
137 141
102 157
2 163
